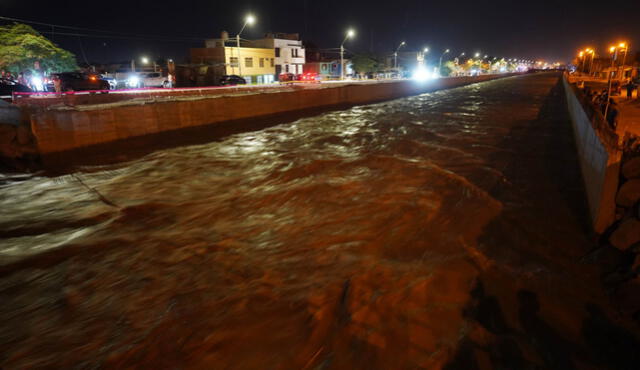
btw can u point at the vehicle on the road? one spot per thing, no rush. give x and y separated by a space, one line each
287 77
154 79
113 83
232 80
78 81
309 77
8 87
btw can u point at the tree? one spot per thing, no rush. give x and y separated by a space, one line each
364 63
447 68
21 46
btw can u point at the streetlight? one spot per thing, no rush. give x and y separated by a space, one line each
592 52
144 60
395 56
624 46
350 34
440 65
249 20
613 50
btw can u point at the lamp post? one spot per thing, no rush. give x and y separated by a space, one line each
395 56
624 46
592 52
613 50
350 34
424 56
440 64
249 20
145 61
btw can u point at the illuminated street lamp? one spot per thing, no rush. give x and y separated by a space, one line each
613 50
350 33
593 53
624 46
395 56
440 65
249 20
144 60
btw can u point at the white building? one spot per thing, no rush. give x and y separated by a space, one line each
290 57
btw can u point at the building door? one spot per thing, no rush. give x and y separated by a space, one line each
278 70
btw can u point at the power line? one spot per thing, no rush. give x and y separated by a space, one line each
96 30
159 38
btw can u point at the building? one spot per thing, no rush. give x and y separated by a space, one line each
254 64
288 49
329 69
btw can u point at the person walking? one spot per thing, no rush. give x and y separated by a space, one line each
57 84
630 88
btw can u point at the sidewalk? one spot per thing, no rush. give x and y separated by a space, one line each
629 110
629 118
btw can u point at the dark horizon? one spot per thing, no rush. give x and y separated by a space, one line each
542 30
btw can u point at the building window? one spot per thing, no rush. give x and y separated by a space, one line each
272 63
248 62
233 61
294 53
277 52
286 68
261 62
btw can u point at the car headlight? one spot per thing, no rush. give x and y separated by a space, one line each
133 81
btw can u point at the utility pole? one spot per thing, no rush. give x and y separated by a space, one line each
350 33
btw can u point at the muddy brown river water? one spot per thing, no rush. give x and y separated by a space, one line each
440 231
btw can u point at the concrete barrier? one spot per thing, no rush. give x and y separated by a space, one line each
599 157
59 129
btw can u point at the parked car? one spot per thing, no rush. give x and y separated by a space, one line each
78 81
154 79
113 83
8 87
287 77
232 80
309 77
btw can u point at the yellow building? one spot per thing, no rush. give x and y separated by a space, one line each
257 65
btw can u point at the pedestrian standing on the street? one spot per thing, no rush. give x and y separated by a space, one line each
21 79
630 87
57 85
612 114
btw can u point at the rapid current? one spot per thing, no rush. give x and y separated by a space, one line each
436 231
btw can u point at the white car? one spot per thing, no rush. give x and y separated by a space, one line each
154 79
147 79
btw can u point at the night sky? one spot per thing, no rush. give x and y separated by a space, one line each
524 29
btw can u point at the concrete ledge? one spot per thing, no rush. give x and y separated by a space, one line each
63 128
599 160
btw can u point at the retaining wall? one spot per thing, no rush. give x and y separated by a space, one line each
599 158
66 128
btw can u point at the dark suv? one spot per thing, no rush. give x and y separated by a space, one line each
78 81
232 80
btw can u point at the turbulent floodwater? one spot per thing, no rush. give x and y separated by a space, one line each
435 231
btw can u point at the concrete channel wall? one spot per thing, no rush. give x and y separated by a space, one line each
599 159
59 129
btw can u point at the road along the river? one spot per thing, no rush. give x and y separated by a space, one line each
437 231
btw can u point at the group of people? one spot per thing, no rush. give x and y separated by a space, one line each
601 99
32 80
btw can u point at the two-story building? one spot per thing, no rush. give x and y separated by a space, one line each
254 64
288 49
